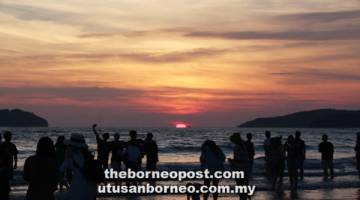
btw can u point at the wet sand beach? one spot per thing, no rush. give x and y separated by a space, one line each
312 188
323 194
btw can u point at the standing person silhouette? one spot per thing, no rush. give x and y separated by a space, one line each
327 155
60 151
267 146
11 148
103 147
41 172
80 162
212 158
151 152
291 161
276 164
133 154
357 151
301 148
117 148
5 173
240 161
251 151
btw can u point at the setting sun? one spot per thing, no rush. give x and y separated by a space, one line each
180 125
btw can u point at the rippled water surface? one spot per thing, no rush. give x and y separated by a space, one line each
183 145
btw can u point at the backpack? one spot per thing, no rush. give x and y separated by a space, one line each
133 153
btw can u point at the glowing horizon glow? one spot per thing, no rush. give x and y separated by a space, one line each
181 125
147 63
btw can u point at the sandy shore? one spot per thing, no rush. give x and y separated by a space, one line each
334 194
343 187
319 194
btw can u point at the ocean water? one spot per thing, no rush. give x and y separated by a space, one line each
182 146
180 149
185 144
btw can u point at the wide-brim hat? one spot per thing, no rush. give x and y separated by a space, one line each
77 140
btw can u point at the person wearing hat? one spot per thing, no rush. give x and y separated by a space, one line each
81 187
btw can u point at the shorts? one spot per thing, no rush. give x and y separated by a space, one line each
327 164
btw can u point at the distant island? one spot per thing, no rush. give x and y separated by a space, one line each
20 118
322 118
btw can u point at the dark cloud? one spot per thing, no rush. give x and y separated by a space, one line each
312 76
166 100
308 26
180 56
308 61
79 93
124 33
322 17
157 100
97 35
177 56
105 92
320 35
137 33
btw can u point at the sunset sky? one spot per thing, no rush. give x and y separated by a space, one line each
154 62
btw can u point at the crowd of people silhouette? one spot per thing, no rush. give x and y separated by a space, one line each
70 164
